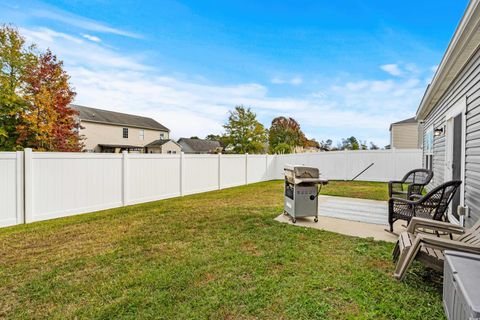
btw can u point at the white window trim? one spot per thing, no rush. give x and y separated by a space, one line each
428 153
431 131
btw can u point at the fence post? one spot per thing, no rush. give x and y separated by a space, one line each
219 171
279 172
20 188
246 168
345 153
28 175
266 168
125 177
182 173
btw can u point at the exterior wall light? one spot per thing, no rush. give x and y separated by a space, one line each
438 131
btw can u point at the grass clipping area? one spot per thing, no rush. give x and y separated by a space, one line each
217 255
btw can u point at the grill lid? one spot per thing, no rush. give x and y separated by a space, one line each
301 171
297 174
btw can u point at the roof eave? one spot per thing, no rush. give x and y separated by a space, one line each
462 46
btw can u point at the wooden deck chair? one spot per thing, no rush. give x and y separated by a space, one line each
415 245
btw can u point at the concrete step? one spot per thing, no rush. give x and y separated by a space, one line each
353 216
368 211
351 202
362 210
380 210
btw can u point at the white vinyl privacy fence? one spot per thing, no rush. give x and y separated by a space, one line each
37 186
11 188
384 165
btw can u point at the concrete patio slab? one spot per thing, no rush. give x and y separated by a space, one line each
346 227
361 210
354 217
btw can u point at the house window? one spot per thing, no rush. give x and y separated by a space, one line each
428 148
162 135
142 134
125 133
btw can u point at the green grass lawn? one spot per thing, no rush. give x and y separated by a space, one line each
217 255
357 189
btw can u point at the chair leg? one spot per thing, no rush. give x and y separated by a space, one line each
390 222
404 261
390 228
396 252
400 266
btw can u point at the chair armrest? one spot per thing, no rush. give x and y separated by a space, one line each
405 201
394 187
446 244
416 197
433 225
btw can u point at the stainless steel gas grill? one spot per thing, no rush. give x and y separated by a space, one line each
302 186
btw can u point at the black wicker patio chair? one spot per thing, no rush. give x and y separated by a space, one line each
433 205
412 184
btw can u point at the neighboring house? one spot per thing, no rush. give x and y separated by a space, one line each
450 110
163 146
199 146
405 134
113 132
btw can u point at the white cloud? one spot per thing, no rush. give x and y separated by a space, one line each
293 81
392 69
49 36
79 22
108 79
77 51
91 38
296 80
412 68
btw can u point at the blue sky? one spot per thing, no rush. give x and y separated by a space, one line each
340 68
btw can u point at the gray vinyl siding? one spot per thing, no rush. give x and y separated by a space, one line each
466 85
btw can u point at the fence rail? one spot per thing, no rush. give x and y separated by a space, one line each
37 186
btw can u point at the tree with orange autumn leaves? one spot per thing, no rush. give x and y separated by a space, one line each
40 117
285 134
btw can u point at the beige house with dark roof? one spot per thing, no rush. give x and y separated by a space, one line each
163 146
405 134
114 132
